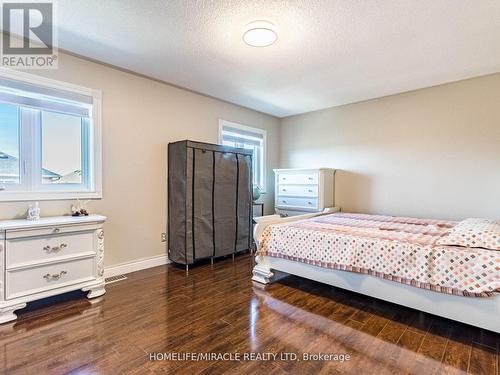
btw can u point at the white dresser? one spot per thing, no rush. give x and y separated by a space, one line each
49 256
299 191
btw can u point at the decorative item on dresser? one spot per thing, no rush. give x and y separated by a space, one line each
300 191
33 212
209 201
50 256
80 209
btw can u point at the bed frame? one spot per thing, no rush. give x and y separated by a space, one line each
483 312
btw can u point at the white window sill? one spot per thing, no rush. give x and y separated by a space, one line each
13 196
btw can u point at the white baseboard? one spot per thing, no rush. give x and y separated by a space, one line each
135 265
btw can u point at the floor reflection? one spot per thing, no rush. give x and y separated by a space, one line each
312 317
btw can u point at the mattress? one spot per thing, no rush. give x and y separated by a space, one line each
400 249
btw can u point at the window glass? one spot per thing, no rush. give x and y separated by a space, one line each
61 148
9 144
256 160
249 138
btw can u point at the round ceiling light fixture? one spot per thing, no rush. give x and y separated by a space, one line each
260 34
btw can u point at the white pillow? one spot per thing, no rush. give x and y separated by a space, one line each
474 233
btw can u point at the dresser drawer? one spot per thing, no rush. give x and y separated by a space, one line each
298 190
307 203
298 178
23 282
50 230
29 250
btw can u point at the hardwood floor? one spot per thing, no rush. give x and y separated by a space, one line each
219 310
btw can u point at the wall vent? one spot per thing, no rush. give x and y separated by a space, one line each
114 279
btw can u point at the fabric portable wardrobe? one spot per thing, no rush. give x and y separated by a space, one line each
209 201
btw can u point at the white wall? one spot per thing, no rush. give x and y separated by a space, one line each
140 117
428 153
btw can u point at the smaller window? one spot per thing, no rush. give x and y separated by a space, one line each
242 136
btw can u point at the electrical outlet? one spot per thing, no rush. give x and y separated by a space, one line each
163 237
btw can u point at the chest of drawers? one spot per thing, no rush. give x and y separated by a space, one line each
50 256
299 191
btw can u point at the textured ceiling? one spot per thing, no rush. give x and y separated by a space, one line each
328 53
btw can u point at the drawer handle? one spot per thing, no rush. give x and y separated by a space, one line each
55 249
284 178
284 201
283 189
310 178
309 202
310 191
56 230
55 276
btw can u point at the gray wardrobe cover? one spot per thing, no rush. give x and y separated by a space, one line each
209 201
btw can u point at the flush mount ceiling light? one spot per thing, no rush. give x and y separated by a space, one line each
260 34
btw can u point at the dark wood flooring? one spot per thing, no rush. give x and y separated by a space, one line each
220 310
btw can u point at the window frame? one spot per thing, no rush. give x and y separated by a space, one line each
93 185
251 129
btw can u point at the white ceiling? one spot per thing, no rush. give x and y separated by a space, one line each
329 52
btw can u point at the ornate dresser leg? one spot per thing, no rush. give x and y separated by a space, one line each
98 289
95 291
7 313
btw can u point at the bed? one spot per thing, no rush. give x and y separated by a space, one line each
446 268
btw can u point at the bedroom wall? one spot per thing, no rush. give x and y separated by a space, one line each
140 117
428 153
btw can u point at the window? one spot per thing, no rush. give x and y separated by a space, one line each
9 144
49 139
237 135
